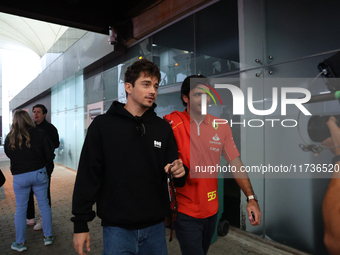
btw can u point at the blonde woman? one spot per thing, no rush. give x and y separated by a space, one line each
29 149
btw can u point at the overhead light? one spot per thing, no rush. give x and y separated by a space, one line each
140 57
154 45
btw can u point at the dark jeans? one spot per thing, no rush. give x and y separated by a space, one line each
30 205
145 241
194 235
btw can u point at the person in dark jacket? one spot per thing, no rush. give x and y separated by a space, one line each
29 149
39 116
123 164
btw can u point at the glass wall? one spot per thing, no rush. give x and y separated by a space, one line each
168 102
71 36
68 116
281 45
172 53
204 43
217 39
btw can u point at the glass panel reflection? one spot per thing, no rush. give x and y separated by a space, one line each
110 79
217 39
95 88
167 103
302 28
173 50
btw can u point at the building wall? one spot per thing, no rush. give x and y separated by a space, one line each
68 115
289 39
89 49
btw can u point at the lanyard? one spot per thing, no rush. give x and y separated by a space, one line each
173 200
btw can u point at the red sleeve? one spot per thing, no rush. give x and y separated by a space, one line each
229 148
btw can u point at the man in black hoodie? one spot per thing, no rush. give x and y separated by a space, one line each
125 157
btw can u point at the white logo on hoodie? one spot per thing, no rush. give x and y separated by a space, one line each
157 144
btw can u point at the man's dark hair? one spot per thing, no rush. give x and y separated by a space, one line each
141 66
186 88
41 106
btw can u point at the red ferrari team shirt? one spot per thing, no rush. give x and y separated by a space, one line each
200 146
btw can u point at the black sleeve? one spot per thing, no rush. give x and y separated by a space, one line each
7 150
54 136
88 180
48 148
171 155
2 179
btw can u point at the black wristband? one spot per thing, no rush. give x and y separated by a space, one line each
335 159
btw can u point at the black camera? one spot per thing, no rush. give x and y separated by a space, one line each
318 131
330 69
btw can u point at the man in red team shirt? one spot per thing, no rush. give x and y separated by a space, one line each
201 141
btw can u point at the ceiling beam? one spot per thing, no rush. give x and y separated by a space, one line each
95 16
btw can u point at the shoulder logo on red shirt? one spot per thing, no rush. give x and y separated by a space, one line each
215 125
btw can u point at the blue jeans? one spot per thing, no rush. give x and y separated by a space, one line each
146 241
30 207
22 184
194 235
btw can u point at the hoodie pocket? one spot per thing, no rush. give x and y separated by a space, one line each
137 202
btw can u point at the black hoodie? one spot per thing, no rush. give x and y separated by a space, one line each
24 159
121 169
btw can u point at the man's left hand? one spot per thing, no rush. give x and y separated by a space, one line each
253 206
177 169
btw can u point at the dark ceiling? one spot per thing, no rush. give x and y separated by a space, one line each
91 15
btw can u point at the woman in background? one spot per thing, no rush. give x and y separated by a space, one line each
29 149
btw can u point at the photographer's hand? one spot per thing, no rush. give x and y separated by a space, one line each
333 141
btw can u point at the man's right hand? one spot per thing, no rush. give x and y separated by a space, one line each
78 242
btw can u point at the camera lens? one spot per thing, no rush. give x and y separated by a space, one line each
318 131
